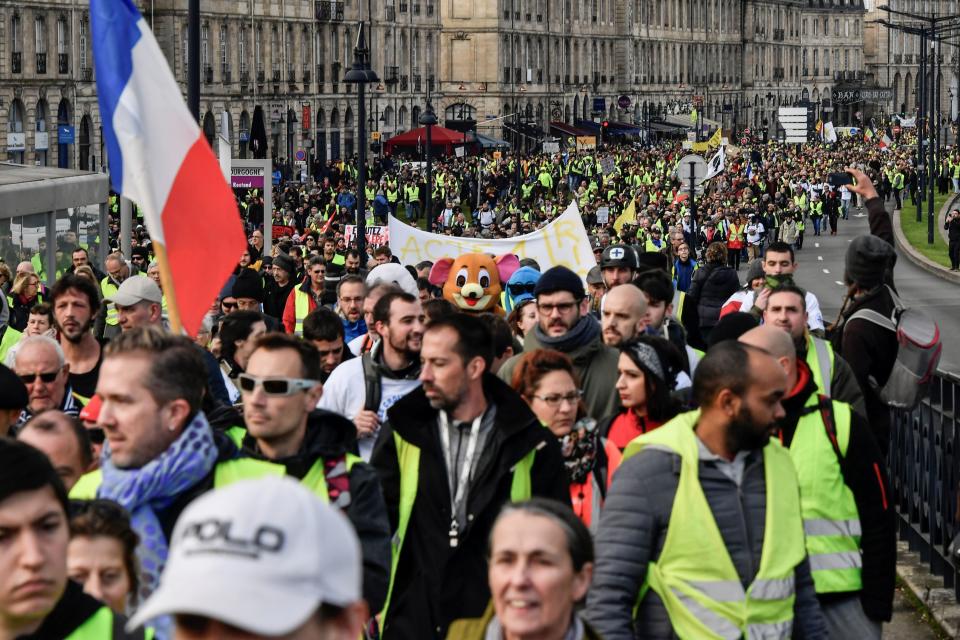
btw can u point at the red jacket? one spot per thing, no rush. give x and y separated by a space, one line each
290 309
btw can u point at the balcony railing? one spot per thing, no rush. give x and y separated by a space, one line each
391 13
306 75
416 82
291 75
244 77
261 76
208 74
86 74
63 63
403 83
328 10
898 58
41 63
226 76
276 75
16 62
391 75
778 35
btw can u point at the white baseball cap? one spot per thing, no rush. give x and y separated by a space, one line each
260 555
136 289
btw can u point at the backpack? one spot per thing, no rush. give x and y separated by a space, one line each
918 353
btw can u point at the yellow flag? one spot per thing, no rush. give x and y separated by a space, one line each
715 139
629 215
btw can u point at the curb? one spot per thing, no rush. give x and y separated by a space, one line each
939 602
918 258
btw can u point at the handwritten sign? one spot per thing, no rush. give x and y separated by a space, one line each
562 242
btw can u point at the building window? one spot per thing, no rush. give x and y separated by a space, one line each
258 50
84 25
224 50
205 45
242 50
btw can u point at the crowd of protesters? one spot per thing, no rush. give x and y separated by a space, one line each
659 452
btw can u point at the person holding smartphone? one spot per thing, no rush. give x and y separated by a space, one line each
952 226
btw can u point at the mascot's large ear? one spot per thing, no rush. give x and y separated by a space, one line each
506 265
440 271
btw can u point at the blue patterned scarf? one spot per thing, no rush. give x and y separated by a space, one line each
153 487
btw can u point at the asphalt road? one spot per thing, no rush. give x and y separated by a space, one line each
821 271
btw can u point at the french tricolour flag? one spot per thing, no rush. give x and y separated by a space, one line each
160 160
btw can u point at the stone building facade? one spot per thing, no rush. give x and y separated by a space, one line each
893 56
511 66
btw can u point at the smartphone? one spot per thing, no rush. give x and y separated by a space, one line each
840 179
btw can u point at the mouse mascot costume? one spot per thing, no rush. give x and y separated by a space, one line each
474 281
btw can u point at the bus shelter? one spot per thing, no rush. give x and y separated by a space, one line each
46 213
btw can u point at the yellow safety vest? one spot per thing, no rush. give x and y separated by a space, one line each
10 337
695 576
820 358
521 488
224 473
831 521
101 626
108 289
301 308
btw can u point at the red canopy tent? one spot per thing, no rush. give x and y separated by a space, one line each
440 137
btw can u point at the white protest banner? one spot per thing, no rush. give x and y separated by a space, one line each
603 215
376 236
562 242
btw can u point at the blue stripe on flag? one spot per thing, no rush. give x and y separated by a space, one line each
113 25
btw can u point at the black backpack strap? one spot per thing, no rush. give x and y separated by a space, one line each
371 382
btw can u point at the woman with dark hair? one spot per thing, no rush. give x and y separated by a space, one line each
712 285
646 375
540 559
102 554
547 381
523 318
238 333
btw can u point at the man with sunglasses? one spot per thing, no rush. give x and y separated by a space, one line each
41 365
566 325
280 390
306 297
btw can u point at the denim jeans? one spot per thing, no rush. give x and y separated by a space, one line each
846 619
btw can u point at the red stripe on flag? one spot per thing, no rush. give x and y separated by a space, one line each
203 233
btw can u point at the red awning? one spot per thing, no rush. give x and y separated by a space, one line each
439 137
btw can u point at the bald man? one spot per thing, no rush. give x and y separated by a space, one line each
622 314
848 522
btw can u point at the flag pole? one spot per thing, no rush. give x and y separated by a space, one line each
166 278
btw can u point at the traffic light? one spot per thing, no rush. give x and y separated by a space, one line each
605 124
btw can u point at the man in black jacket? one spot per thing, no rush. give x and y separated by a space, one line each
316 447
848 613
451 453
36 599
952 226
870 349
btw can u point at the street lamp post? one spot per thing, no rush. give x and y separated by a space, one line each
428 119
361 75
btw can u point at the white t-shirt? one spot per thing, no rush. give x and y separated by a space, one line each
814 315
754 232
345 392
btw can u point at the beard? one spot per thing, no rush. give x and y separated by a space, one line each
744 434
78 335
405 346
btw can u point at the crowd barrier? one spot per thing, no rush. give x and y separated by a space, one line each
924 470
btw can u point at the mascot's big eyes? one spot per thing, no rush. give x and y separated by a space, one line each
462 277
484 278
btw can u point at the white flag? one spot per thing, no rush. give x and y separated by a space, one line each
829 132
716 164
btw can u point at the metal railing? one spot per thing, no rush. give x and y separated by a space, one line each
924 469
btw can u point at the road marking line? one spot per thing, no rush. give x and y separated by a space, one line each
826 270
838 282
820 258
816 245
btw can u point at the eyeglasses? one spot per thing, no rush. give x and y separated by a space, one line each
275 386
521 288
554 401
562 307
96 435
48 377
229 305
